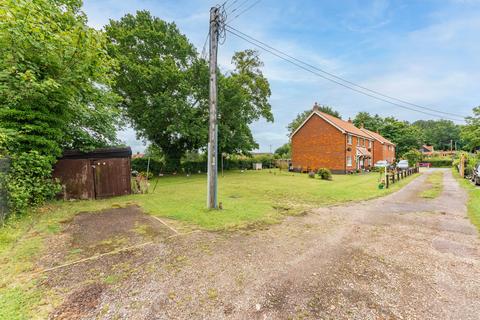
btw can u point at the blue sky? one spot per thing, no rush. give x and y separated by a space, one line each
425 51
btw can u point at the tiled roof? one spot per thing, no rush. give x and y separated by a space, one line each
377 136
343 125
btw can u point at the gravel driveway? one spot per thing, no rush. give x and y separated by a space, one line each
397 257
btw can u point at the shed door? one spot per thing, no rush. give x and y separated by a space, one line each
112 177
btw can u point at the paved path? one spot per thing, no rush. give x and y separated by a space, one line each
397 257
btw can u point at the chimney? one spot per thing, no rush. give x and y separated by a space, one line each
362 126
349 120
315 107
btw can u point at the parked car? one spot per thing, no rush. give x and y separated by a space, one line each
402 165
476 174
381 164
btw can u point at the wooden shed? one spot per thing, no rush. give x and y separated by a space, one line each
97 174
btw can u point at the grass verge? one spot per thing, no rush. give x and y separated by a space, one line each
249 199
435 183
473 204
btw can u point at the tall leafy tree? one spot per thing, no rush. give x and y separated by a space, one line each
164 84
403 134
373 123
292 126
470 133
243 99
442 134
55 75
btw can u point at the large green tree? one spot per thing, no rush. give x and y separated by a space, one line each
442 134
243 99
164 84
470 133
292 126
403 134
55 75
373 123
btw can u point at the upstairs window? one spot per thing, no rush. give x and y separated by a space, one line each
349 139
369 143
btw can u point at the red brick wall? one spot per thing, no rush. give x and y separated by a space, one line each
318 144
378 151
390 154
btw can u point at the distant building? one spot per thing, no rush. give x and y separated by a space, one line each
138 155
324 141
428 152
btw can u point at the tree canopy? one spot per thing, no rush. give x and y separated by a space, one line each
55 75
164 85
292 126
470 133
441 134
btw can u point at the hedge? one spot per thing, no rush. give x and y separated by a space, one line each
234 163
439 163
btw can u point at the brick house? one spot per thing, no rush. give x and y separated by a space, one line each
324 141
383 149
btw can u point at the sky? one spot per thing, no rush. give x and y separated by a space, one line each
425 52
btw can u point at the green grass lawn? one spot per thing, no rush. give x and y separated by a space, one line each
473 199
435 181
249 199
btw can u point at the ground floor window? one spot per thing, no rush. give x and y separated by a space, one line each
349 161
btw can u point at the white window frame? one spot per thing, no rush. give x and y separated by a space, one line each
349 139
349 161
369 143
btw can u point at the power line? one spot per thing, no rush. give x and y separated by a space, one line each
333 80
239 6
250 7
345 80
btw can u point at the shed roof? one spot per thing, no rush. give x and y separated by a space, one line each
100 153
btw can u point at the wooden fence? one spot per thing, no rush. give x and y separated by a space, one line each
395 176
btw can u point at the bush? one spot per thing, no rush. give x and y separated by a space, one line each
324 174
29 181
439 163
311 174
413 156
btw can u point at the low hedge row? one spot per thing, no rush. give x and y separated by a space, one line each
439 163
156 167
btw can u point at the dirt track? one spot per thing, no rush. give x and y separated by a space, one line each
398 257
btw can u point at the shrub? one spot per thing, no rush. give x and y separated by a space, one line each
324 174
439 163
29 181
413 156
311 174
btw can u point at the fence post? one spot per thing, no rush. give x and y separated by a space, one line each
386 178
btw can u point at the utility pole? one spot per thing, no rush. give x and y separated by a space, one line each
212 169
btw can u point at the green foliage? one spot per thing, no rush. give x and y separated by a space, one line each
439 133
243 99
324 174
372 123
284 152
413 156
231 162
29 181
403 134
439 162
54 75
470 133
165 89
292 126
